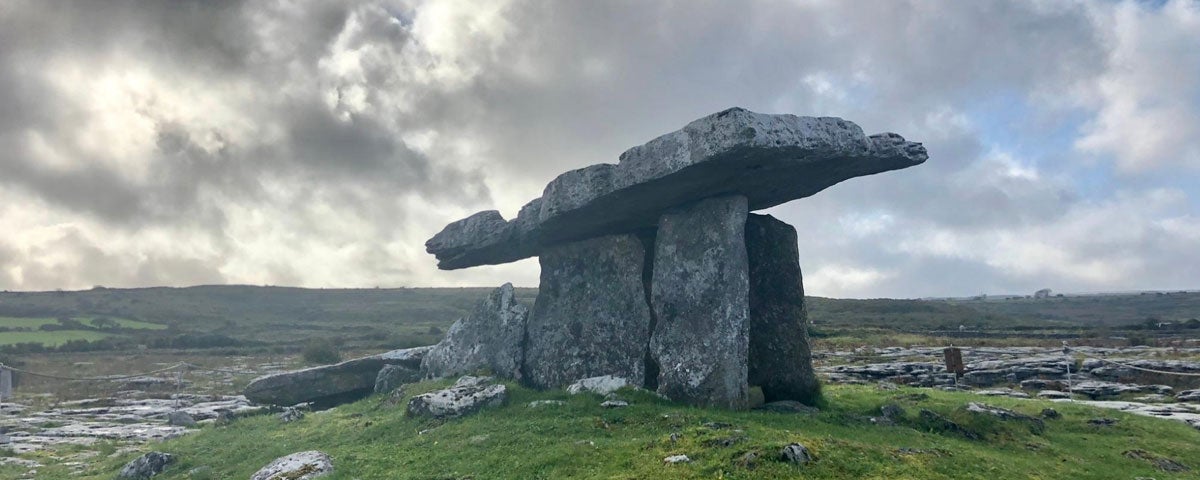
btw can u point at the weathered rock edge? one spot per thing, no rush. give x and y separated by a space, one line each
769 159
330 384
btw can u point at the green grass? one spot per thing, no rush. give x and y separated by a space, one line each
582 440
53 338
124 323
23 322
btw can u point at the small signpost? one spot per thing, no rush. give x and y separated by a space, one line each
6 384
954 361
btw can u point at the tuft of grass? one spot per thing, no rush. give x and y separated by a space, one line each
582 440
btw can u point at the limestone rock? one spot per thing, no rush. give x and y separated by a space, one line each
788 406
1188 396
297 466
673 459
468 395
146 466
392 376
699 293
602 385
769 159
1035 424
795 453
491 337
590 317
779 356
330 384
180 418
290 414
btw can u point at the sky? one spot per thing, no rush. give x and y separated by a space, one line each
320 143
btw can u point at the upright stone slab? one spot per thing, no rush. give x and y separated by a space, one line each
699 293
491 337
590 317
780 359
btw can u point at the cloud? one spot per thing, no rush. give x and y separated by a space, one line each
319 143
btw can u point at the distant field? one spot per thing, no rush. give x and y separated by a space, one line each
125 323
49 338
21 322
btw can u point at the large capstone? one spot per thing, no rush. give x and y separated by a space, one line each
768 159
699 293
491 337
330 384
590 317
780 359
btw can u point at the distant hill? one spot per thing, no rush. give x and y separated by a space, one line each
283 315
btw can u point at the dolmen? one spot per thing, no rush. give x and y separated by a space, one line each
655 270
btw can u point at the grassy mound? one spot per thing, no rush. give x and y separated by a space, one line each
579 439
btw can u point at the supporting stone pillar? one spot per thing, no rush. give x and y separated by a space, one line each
780 359
590 317
699 293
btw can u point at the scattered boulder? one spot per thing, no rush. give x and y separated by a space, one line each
1102 422
546 403
1053 394
297 466
1188 396
779 357
602 385
700 295
146 466
795 453
938 423
788 406
330 384
892 411
491 337
290 414
1035 424
180 418
392 376
1161 463
1050 414
673 459
614 404
468 395
1002 392
591 316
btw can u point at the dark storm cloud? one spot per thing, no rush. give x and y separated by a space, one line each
319 143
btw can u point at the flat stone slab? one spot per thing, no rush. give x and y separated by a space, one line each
330 384
769 159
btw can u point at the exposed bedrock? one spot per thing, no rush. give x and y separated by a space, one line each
330 384
490 337
768 159
779 357
590 317
699 293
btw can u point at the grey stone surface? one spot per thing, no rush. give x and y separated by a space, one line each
392 376
779 356
795 453
297 466
491 337
590 317
699 293
329 384
769 159
146 466
468 395
180 418
601 385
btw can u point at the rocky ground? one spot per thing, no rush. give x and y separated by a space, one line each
148 409
1117 378
42 428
